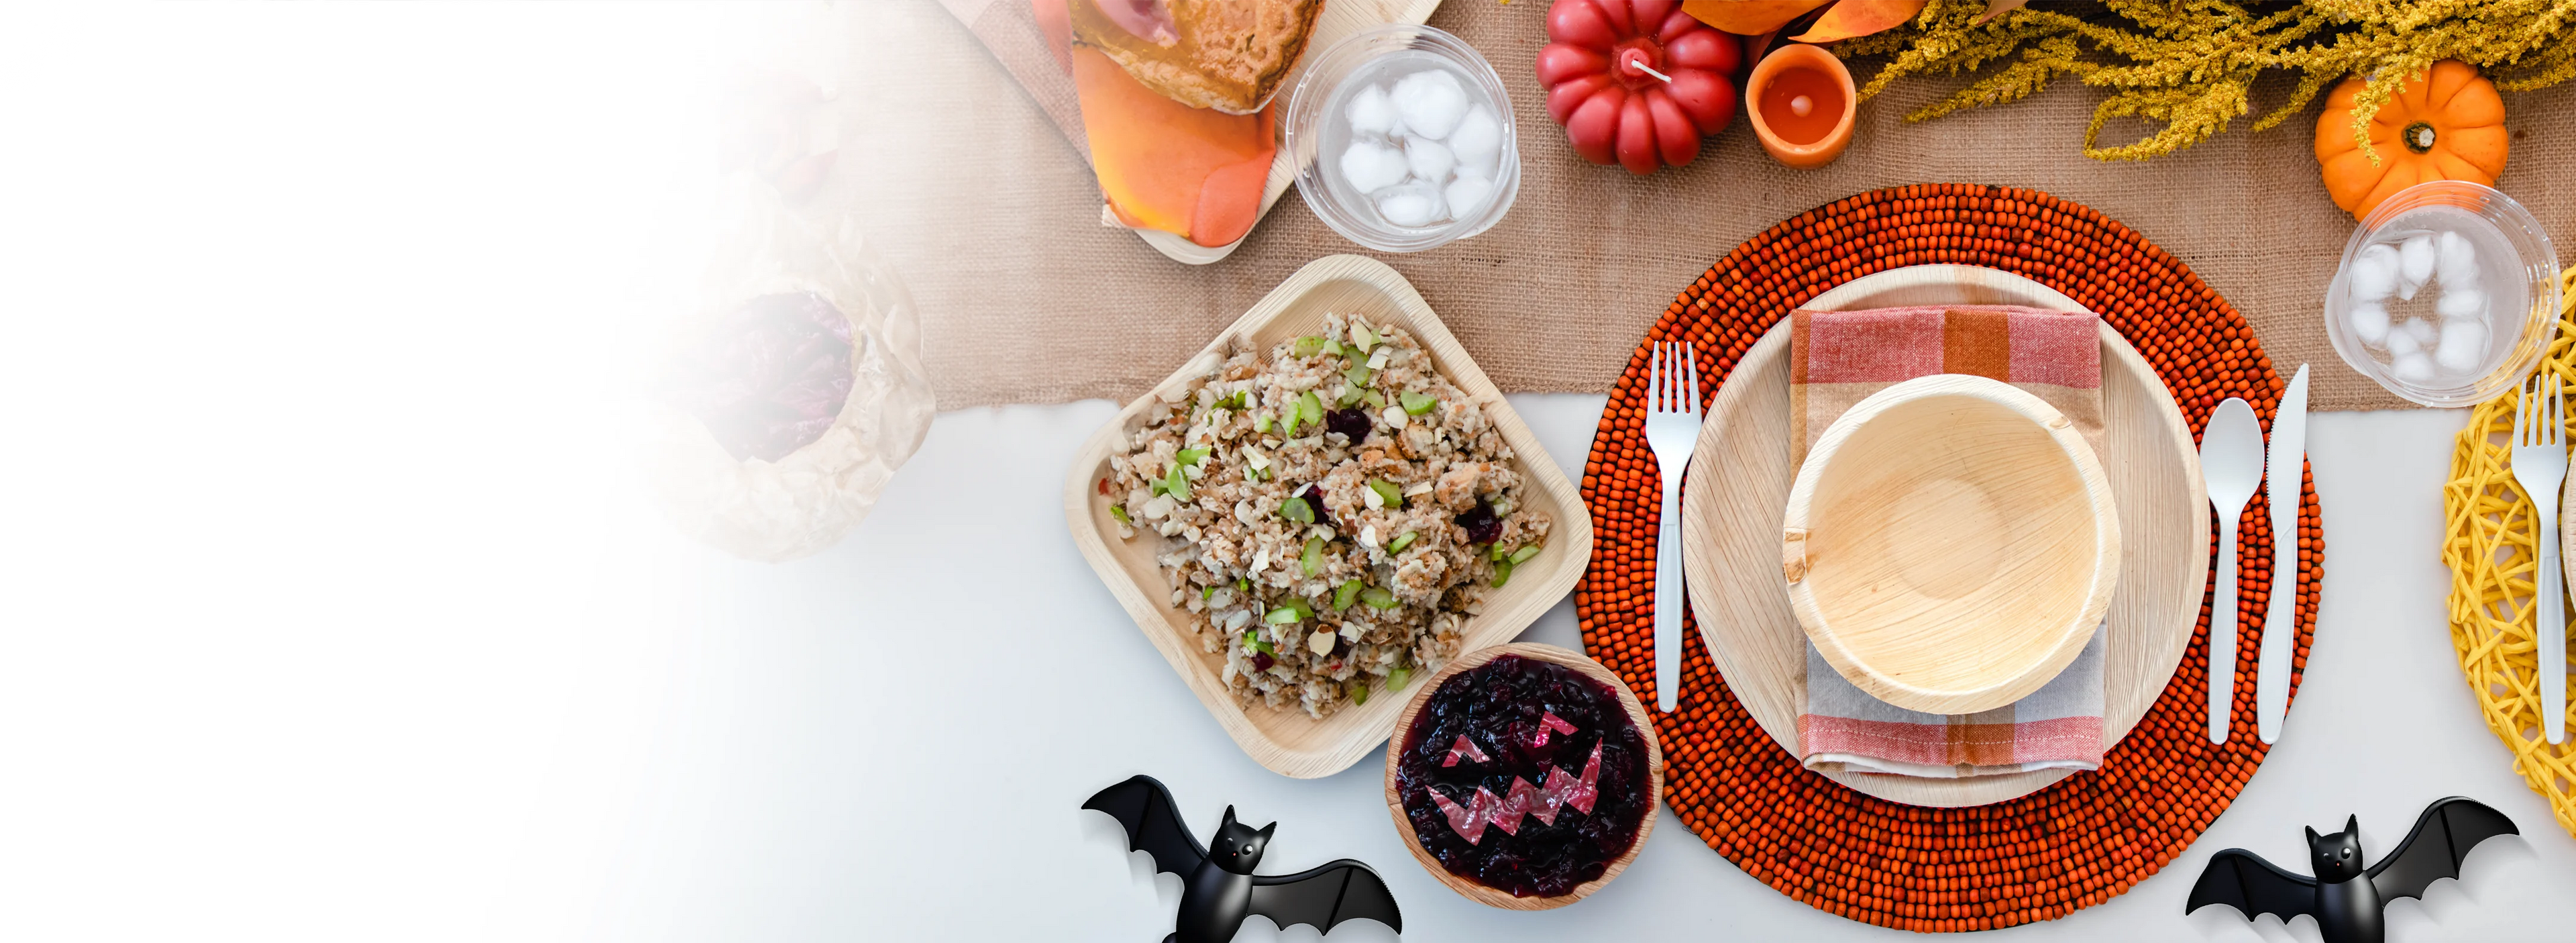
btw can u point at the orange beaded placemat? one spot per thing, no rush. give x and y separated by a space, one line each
2072 845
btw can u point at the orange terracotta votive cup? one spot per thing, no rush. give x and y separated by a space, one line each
1798 67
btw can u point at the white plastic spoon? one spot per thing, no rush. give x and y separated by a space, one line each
2231 462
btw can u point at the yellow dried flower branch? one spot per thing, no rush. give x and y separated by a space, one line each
2190 65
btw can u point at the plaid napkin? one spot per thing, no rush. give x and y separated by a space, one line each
1837 359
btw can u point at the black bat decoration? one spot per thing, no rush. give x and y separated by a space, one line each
2347 901
1218 890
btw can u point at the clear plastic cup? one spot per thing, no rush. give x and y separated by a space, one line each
2521 289
1318 132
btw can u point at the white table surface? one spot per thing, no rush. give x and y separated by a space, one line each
891 740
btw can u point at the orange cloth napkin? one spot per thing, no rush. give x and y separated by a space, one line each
1837 359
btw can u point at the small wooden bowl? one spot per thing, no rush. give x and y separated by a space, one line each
1951 544
1536 652
1815 153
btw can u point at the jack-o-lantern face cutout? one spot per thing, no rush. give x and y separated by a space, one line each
1525 776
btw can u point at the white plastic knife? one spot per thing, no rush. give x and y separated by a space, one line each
2282 474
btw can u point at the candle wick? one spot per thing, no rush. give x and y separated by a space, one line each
1649 70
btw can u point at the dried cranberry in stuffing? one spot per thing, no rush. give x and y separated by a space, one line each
1350 422
1341 646
1261 661
1481 524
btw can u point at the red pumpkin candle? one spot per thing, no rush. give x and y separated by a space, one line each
1636 82
1801 103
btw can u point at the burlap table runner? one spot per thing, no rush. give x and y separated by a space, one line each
994 220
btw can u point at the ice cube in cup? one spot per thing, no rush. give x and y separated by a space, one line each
1429 160
1370 112
2424 333
2456 260
1430 102
2461 302
2374 273
1467 194
2414 265
2463 347
1478 139
1369 167
2369 323
2401 343
2413 368
1411 204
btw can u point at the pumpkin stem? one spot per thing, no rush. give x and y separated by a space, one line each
2418 137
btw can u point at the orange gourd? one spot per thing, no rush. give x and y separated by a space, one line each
2446 124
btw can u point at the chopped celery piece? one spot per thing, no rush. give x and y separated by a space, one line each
1310 408
1350 395
1252 640
1494 552
1119 511
1376 403
1189 456
1333 346
1359 692
1261 423
1308 346
1280 616
1296 509
1416 404
1378 598
1502 573
1398 678
1359 375
1345 594
1177 485
1242 584
1206 592
1313 558
1387 490
1402 541
1523 554
1302 608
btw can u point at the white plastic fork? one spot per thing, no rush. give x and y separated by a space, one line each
2540 467
1672 430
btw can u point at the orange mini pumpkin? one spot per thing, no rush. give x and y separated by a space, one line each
2447 124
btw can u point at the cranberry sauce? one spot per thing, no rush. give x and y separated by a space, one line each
1504 709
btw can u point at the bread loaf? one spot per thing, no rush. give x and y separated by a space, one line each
1229 55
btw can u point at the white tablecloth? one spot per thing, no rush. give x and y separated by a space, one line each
891 741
